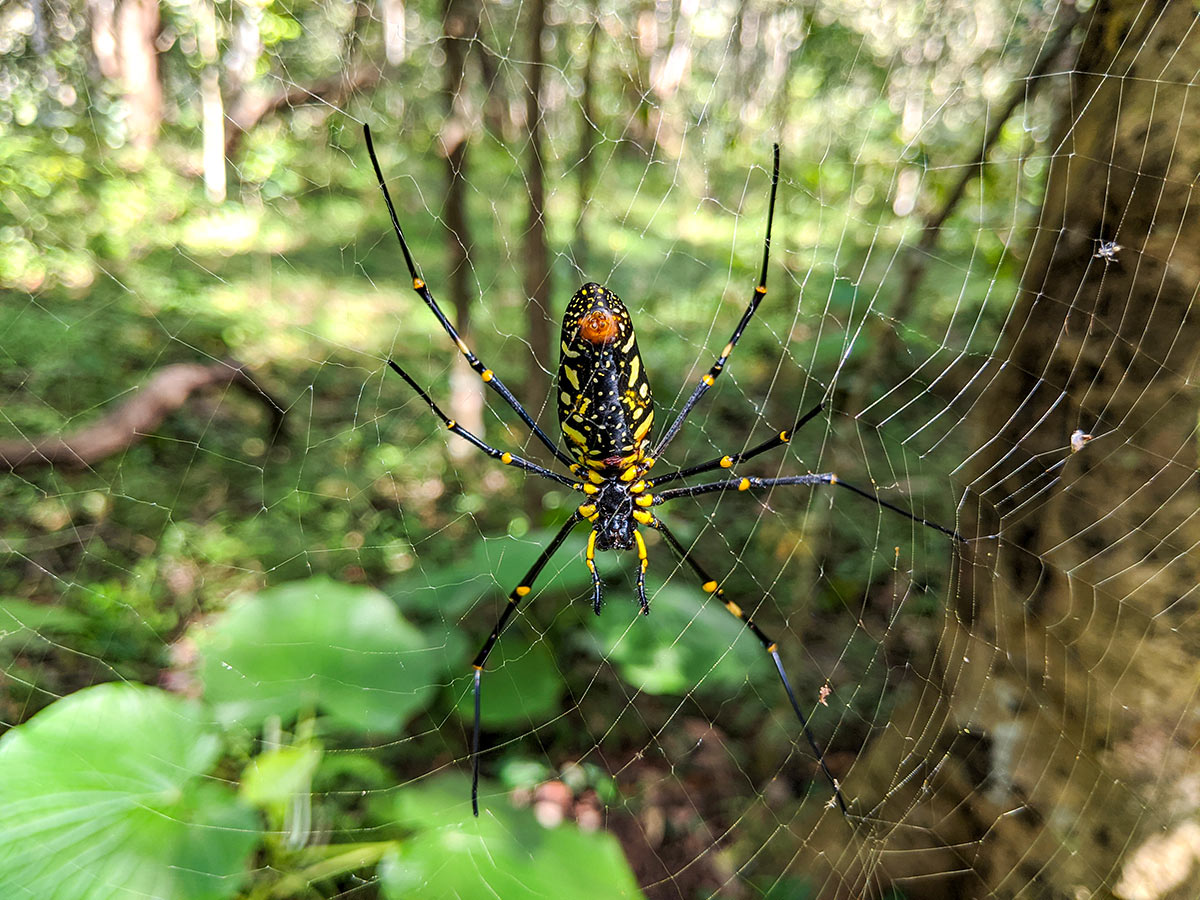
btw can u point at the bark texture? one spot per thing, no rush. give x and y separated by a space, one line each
535 249
1051 750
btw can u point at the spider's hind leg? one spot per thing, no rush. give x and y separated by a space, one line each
709 585
518 594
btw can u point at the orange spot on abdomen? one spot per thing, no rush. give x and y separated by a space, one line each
599 327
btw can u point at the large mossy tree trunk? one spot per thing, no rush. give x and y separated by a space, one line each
1052 750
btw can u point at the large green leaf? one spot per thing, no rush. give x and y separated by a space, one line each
504 853
492 568
688 642
319 644
522 685
103 796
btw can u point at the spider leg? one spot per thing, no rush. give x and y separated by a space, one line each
745 484
518 593
725 462
759 292
597 584
643 561
489 377
504 456
709 586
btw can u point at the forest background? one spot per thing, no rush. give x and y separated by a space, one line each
245 571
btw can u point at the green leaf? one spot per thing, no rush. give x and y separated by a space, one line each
320 644
22 621
277 775
493 567
521 686
504 853
103 795
688 642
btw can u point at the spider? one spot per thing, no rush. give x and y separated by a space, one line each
606 414
1106 250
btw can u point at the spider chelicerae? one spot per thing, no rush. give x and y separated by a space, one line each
606 413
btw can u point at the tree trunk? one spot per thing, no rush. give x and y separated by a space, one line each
212 107
1059 734
103 15
137 30
587 139
395 32
536 252
460 25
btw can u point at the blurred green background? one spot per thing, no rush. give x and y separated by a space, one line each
243 657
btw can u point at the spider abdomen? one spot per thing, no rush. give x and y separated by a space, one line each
605 406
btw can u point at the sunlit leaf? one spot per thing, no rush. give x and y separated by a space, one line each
106 794
275 776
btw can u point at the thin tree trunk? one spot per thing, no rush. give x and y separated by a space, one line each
103 15
460 24
536 251
395 33
585 168
212 108
137 29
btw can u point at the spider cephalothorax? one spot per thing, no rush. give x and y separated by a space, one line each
614 524
606 412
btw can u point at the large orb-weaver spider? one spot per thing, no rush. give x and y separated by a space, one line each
606 412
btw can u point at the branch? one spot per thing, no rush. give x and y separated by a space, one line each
251 107
1022 93
917 258
167 391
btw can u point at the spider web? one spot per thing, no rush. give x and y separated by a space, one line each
982 265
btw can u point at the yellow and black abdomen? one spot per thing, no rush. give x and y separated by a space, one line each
605 406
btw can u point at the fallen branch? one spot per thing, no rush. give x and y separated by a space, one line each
166 391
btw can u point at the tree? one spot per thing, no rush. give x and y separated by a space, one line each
1066 676
460 25
536 250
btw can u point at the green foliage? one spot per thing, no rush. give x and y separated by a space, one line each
523 686
505 853
318 645
116 264
106 794
688 642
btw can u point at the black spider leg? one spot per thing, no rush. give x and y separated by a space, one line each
725 462
709 586
504 456
489 377
745 484
759 292
518 593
